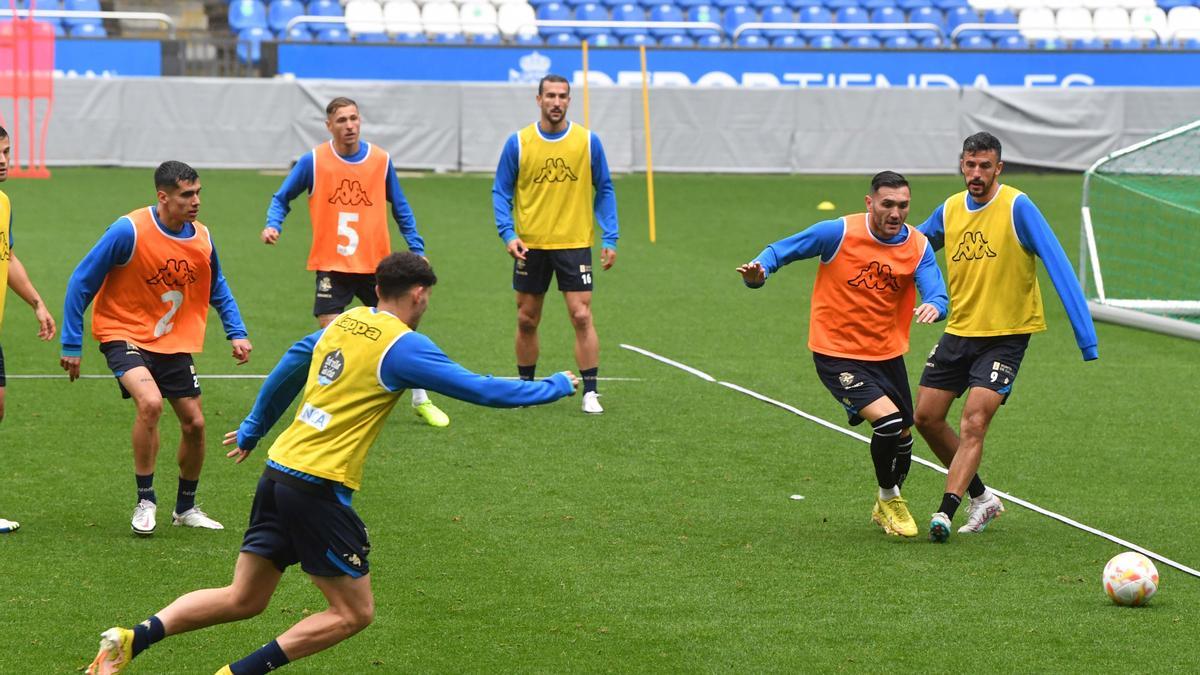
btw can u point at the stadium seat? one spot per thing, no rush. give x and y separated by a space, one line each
364 16
515 21
639 40
1112 23
909 5
1087 44
477 17
1183 22
711 41
94 6
835 5
686 5
440 18
975 42
706 13
324 8
553 11
402 17
562 40
249 46
886 15
486 39
1074 23
946 5
331 33
778 14
372 36
455 38
93 30
752 41
815 15
282 11
410 38
788 42
603 40
1037 23
590 12
666 12
1012 41
1166 5
1048 43
298 34
761 5
876 4
934 42
900 42
1190 44
1149 22
1001 17
801 4
677 40
736 16
826 42
243 15
852 15
628 12
930 15
527 39
726 4
1125 44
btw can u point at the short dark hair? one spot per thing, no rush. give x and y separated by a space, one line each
399 272
553 78
3 132
338 103
887 179
981 142
170 174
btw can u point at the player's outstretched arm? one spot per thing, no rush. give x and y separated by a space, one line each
19 281
753 274
298 180
280 388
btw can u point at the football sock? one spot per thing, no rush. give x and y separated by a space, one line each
950 502
419 396
976 488
588 375
145 487
267 658
526 372
147 633
883 447
889 493
186 497
903 460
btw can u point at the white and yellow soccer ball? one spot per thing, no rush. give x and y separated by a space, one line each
1130 579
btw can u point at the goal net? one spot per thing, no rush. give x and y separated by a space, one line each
1141 234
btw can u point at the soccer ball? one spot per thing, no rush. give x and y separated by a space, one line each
1130 579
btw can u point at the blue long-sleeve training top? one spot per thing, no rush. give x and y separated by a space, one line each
114 248
1035 236
301 180
412 362
825 238
604 204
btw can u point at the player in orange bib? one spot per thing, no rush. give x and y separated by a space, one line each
153 274
350 183
863 301
13 275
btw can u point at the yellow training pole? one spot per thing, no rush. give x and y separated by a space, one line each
649 158
586 105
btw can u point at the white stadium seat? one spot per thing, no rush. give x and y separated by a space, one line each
1037 23
1111 23
440 18
1183 22
1063 4
402 16
985 5
364 16
516 18
1133 4
1018 6
478 18
1149 23
1074 23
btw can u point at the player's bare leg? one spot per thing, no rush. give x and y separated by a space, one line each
254 581
351 609
191 461
529 316
980 407
933 405
148 401
587 346
324 320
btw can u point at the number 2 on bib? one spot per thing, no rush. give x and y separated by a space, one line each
164 324
345 220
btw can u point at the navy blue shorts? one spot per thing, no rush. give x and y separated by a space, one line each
292 522
956 363
856 384
175 374
336 290
572 267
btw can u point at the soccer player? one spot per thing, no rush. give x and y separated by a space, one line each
872 264
14 276
993 234
153 274
551 178
351 372
348 181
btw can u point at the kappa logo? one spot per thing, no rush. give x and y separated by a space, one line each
176 273
555 171
350 193
353 559
876 277
356 327
973 247
846 379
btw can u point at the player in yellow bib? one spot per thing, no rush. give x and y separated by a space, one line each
352 373
552 184
14 276
993 235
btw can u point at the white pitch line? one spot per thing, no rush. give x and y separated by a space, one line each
1016 500
698 373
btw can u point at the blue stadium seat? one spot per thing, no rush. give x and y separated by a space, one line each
1166 5
900 42
852 15
704 13
975 42
876 4
88 30
753 41
926 15
686 5
932 42
486 39
638 40
736 16
562 40
1191 44
282 11
603 40
372 37
835 5
527 40
886 15
711 41
590 12
402 38
628 12
299 34
1090 44
957 16
763 4
909 5
1129 44
788 42
325 8
330 33
83 6
778 14
864 42
1012 41
443 38
1049 44
249 46
950 4
246 14
666 12
1000 16
801 4
553 11
677 40
574 4
826 42
815 15
726 4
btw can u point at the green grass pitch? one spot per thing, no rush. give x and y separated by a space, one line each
659 537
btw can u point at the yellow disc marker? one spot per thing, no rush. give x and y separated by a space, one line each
826 206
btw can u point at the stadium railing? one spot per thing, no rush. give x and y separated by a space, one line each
164 19
698 25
